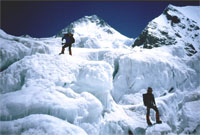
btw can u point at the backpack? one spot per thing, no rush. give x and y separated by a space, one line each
72 40
145 100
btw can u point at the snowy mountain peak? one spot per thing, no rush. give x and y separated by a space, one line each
93 19
170 7
191 12
175 26
94 32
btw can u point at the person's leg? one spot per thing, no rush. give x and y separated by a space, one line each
147 116
157 115
63 49
70 50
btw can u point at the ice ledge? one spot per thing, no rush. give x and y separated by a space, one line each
158 129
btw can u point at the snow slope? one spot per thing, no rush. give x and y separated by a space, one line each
98 90
175 26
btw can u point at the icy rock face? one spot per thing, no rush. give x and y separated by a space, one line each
100 33
170 72
14 48
194 63
189 121
173 27
39 125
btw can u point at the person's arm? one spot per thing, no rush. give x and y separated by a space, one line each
63 39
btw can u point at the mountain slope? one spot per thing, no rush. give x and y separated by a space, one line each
175 26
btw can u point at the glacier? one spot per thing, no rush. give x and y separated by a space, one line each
99 89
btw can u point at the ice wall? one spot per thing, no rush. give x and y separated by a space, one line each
161 70
14 48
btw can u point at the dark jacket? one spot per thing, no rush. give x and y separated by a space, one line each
68 39
148 100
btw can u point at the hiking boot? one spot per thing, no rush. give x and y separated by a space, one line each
149 123
70 52
158 121
62 51
157 118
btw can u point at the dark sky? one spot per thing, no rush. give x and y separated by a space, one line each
47 18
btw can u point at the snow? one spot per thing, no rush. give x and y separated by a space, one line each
170 71
13 48
158 129
35 100
39 124
190 12
98 90
184 31
189 113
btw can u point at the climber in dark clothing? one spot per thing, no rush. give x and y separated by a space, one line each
149 102
69 39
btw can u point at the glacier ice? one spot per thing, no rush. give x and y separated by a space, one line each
170 72
99 89
15 48
39 124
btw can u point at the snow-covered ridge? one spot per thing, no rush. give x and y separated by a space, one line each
176 26
191 12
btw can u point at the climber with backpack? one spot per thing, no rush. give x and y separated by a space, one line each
69 40
149 102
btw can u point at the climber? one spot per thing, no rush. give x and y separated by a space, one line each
149 102
69 39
